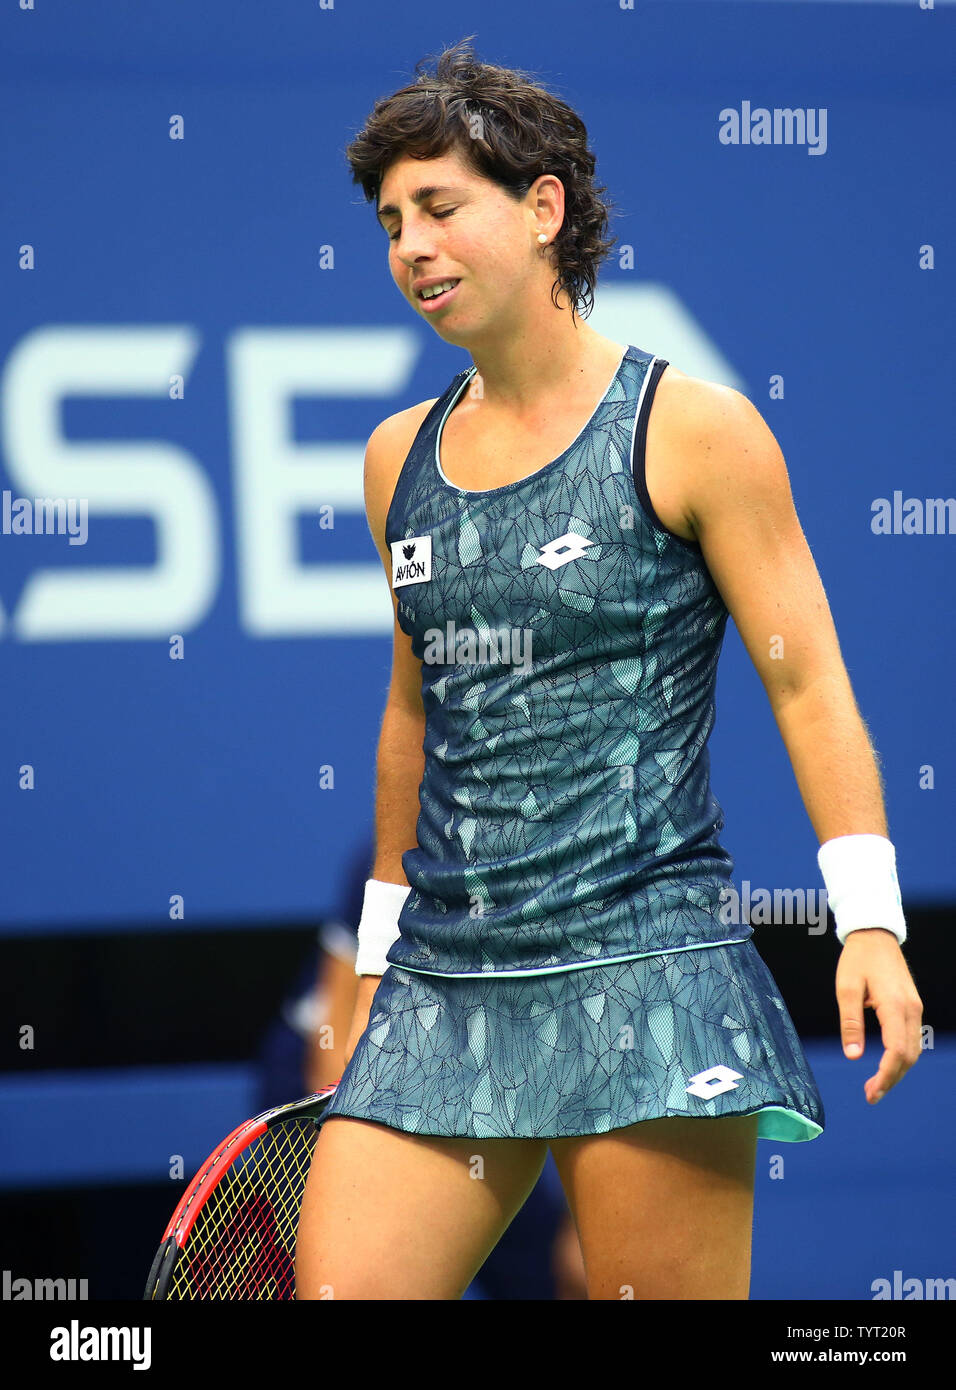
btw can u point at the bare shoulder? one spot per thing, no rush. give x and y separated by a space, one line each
694 408
385 455
705 440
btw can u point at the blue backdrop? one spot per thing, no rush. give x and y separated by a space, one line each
199 334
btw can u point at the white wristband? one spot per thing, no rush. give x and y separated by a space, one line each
862 888
378 927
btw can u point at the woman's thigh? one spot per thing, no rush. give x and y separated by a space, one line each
664 1208
389 1215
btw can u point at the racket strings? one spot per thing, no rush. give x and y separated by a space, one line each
242 1245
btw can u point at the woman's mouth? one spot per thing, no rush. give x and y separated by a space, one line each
438 301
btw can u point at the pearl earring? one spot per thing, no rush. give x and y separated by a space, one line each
542 236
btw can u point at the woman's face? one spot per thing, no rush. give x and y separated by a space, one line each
444 222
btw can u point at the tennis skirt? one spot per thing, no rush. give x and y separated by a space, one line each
692 1033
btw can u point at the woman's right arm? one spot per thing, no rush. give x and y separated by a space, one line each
401 758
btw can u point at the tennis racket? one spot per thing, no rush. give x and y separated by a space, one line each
232 1236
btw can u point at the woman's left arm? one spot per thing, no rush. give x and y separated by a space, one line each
737 500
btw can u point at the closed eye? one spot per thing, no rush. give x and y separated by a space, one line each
392 236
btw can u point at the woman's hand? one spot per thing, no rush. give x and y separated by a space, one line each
367 985
872 974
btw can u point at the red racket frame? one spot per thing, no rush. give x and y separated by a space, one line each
206 1180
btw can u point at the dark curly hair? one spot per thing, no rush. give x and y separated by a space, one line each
525 132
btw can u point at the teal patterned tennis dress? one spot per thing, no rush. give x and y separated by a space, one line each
563 967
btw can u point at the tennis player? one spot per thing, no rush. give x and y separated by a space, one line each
543 956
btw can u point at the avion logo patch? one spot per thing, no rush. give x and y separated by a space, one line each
411 561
